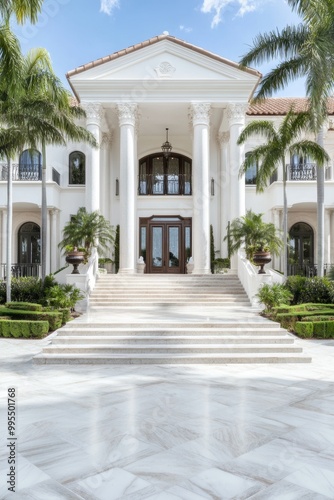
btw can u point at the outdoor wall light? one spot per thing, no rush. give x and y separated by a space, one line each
212 186
166 147
117 187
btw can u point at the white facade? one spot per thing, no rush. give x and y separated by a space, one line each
130 98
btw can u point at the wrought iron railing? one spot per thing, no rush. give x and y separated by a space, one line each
302 172
21 270
307 270
164 184
22 172
56 176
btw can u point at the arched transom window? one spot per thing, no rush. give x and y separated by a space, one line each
77 168
160 176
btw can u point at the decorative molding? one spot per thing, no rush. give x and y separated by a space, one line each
94 112
107 138
236 113
223 137
199 113
127 113
165 70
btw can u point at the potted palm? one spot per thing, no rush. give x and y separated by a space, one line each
260 239
83 232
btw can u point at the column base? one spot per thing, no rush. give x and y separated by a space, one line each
127 271
201 271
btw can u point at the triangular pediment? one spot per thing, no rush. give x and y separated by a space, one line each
167 60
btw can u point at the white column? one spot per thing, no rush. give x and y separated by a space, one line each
48 244
201 193
54 250
94 113
223 139
107 190
236 115
127 184
276 264
332 236
327 257
3 240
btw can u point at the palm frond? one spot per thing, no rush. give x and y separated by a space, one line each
263 128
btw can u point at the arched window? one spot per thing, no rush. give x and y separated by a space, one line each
29 243
30 165
161 175
77 168
301 251
251 174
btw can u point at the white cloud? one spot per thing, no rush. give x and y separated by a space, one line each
185 29
217 6
108 5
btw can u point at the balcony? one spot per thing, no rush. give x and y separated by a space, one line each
164 184
22 172
302 172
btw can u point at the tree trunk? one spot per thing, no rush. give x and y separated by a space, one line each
44 215
285 223
9 230
320 210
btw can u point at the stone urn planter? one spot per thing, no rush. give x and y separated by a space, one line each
261 258
75 257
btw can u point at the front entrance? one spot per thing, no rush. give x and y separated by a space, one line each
165 243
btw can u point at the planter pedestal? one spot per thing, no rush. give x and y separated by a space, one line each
75 258
261 259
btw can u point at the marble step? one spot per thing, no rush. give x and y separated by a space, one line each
169 339
167 349
157 359
239 326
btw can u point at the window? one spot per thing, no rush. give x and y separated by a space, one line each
160 175
301 168
30 165
77 168
251 173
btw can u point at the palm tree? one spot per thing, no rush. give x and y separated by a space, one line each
255 234
271 155
22 9
88 230
304 50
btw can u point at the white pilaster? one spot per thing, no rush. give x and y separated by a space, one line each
201 194
127 113
3 240
107 189
276 220
332 236
94 114
236 115
223 139
327 256
54 251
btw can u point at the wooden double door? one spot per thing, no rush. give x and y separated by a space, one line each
165 243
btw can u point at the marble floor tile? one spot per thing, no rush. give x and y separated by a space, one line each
170 432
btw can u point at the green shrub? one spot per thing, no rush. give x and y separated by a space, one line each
330 329
25 306
319 329
26 329
66 315
295 284
62 296
273 296
317 290
318 318
304 330
54 318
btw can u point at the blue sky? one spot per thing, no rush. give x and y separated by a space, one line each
76 32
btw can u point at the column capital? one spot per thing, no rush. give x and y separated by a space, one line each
223 137
199 113
53 211
236 113
127 113
107 138
94 112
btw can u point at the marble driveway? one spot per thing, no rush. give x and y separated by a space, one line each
169 432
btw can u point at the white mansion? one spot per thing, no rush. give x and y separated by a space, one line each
164 203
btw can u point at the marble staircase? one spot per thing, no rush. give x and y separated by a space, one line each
171 319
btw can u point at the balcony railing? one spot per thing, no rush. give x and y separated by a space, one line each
302 172
22 172
164 184
21 270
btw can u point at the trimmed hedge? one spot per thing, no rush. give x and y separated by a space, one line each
54 318
25 306
316 329
21 328
304 330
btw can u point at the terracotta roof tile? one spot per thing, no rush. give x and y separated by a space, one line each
152 41
281 106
